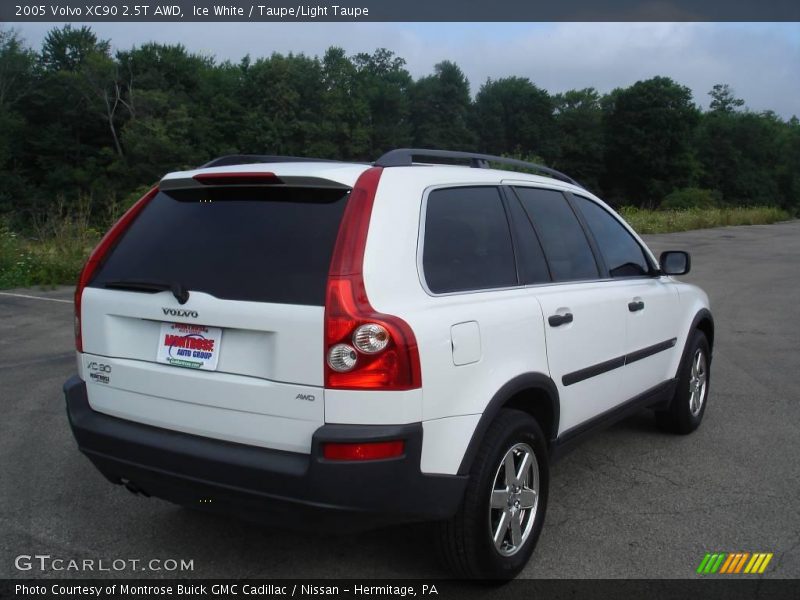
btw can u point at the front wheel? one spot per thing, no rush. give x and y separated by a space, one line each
688 406
496 528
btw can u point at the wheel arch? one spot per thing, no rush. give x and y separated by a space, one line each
703 321
533 393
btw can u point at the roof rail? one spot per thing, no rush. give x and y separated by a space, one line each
250 159
404 157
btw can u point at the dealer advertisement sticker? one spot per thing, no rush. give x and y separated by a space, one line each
190 346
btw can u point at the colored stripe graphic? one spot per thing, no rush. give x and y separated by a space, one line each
717 564
755 562
703 563
764 564
727 563
731 560
741 562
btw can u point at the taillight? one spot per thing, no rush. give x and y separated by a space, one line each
363 450
100 252
371 338
364 349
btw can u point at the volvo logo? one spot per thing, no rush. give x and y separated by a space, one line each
179 312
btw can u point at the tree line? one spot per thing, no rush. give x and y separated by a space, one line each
82 124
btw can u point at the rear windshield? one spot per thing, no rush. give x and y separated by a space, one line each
242 243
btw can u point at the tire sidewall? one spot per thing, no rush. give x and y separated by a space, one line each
492 563
683 415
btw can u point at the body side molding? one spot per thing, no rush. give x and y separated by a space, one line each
616 363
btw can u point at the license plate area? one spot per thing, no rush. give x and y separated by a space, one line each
189 346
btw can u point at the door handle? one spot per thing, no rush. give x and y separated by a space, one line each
634 306
557 320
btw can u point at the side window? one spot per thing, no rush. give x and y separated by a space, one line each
530 259
622 253
467 241
565 245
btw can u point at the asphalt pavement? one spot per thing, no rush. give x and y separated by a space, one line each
632 502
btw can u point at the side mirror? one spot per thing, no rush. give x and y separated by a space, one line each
675 262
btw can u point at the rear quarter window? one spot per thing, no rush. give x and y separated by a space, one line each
467 243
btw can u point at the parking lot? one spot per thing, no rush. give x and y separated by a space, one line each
632 502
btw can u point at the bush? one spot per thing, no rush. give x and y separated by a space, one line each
691 197
15 262
667 221
54 251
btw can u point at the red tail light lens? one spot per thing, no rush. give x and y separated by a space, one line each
387 357
100 252
395 367
363 451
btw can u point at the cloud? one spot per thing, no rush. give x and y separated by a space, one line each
760 61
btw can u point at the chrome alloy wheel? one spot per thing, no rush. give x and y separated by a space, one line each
698 382
514 499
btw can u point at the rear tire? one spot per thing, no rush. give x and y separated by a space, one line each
686 410
495 530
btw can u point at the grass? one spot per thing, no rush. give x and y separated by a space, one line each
668 221
54 252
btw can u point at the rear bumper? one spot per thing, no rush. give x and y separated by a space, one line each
262 484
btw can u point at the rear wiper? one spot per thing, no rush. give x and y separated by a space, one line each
178 289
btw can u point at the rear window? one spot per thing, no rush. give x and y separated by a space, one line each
242 243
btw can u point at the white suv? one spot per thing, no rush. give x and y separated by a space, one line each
399 341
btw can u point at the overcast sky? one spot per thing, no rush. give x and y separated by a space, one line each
761 61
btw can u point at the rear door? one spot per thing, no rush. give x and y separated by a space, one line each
241 358
584 318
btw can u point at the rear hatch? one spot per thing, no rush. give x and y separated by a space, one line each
207 315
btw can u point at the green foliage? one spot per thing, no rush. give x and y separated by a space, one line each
440 109
691 198
648 133
513 115
580 136
668 221
723 99
52 255
750 158
82 124
385 84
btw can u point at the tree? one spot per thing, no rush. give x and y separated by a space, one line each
723 99
579 132
16 82
16 69
440 108
78 121
649 131
344 119
787 173
513 115
282 99
72 147
384 83
173 106
67 49
739 156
